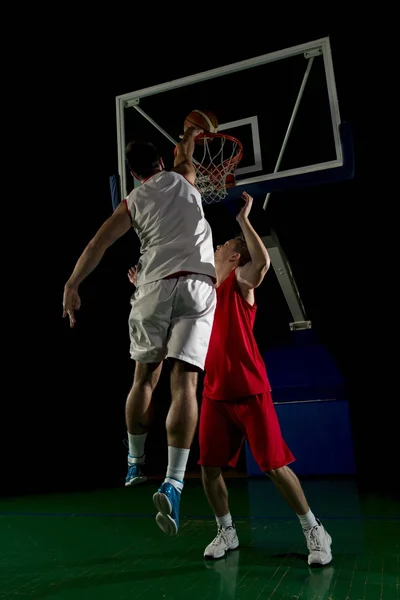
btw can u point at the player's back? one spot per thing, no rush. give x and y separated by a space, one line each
168 217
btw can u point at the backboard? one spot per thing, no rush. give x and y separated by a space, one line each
283 107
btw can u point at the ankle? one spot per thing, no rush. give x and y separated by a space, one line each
176 483
136 446
136 460
307 521
225 521
177 460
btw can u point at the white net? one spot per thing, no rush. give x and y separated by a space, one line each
215 160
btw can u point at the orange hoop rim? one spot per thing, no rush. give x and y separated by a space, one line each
212 170
228 162
209 135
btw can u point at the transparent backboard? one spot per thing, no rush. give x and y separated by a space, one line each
282 106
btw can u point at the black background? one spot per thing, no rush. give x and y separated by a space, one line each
64 390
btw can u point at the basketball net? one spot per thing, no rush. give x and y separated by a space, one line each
216 159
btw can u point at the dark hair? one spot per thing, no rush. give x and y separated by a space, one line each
142 158
241 247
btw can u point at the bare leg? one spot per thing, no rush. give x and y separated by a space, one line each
288 485
217 495
183 413
180 424
138 409
318 540
215 490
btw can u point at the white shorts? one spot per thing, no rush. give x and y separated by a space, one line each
172 318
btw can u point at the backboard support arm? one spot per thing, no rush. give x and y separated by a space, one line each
287 282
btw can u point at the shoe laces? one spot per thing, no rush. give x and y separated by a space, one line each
133 467
220 535
314 538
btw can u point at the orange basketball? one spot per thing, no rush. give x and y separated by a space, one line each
230 181
203 119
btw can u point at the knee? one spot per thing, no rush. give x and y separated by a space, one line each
184 376
146 378
210 474
143 386
277 475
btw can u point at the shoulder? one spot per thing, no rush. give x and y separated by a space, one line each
186 170
187 183
130 199
240 278
165 176
168 178
244 287
177 174
230 283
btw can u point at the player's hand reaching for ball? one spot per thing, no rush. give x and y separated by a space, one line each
245 210
132 274
191 132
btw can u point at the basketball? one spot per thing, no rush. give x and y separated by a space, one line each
203 119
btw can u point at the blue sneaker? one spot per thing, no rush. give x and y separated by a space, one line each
166 501
134 475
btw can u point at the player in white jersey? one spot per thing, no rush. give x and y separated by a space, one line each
172 308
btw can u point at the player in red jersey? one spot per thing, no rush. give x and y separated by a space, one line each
237 401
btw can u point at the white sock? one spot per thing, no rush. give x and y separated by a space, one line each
225 521
136 448
307 521
177 459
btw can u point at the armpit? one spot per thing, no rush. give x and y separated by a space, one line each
242 280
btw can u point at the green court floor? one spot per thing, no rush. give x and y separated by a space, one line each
106 545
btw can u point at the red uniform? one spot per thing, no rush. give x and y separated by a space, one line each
237 401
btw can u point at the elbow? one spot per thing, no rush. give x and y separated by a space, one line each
94 244
264 265
97 245
182 161
266 262
181 151
261 270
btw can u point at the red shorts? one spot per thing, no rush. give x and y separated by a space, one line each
225 425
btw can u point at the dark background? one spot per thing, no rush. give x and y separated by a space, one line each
64 390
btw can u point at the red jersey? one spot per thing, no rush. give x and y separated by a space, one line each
234 366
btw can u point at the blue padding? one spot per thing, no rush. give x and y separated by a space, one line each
115 191
318 434
303 370
307 179
310 400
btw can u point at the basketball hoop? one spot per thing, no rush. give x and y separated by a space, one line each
215 169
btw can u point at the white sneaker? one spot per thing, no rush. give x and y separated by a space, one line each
225 540
319 545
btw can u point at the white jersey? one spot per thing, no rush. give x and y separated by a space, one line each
168 217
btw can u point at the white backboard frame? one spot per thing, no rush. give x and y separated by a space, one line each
255 135
321 46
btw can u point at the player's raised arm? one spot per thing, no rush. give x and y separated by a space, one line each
251 274
184 153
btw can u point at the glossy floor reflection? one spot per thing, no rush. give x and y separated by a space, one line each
105 545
